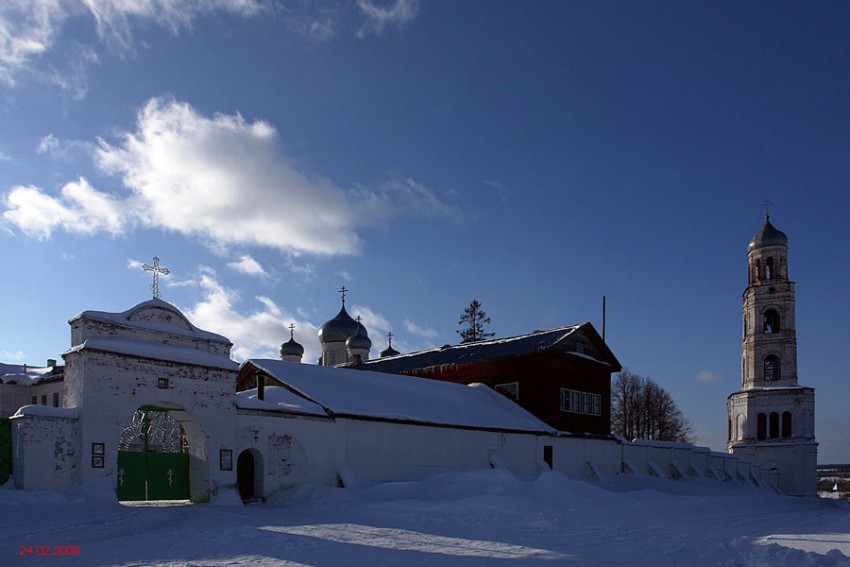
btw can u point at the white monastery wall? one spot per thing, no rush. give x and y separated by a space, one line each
45 452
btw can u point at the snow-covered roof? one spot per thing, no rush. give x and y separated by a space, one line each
466 353
26 375
157 351
358 393
277 398
179 325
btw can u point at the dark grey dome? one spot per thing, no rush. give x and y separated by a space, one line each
389 351
768 236
359 340
340 328
291 348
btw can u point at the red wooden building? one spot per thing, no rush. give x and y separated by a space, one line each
562 376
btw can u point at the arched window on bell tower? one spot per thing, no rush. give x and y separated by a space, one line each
772 371
786 425
771 322
769 272
761 427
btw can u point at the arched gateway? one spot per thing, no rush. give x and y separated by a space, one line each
156 400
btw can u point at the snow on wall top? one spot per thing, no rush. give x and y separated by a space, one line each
278 399
157 351
361 393
153 316
47 411
24 374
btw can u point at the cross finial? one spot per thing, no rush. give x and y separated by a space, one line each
390 338
359 318
766 205
156 271
342 291
292 331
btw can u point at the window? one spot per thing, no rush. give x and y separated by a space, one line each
162 383
56 399
510 390
574 401
771 368
771 322
579 347
34 400
44 399
786 425
768 269
761 427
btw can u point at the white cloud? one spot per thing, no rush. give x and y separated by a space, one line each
225 179
258 334
4 157
375 323
247 265
381 14
222 179
30 28
397 196
424 332
345 275
709 377
79 209
17 356
48 144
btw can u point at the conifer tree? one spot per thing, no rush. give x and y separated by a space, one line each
474 318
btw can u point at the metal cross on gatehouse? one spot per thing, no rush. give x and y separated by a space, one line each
156 271
342 291
292 332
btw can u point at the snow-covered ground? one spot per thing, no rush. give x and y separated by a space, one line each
473 518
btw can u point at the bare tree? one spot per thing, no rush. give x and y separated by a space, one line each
641 409
474 318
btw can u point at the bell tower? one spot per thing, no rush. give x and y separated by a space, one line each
771 419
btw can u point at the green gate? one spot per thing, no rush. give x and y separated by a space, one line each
5 450
152 459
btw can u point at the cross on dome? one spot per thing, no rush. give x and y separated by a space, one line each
342 291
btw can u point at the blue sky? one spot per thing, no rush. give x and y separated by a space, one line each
535 156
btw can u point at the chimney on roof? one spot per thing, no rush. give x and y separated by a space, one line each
51 362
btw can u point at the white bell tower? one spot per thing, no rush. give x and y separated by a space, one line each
772 417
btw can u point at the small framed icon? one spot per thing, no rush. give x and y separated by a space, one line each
97 462
225 458
98 448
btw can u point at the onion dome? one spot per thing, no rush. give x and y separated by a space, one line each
340 328
291 348
768 236
359 341
389 351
